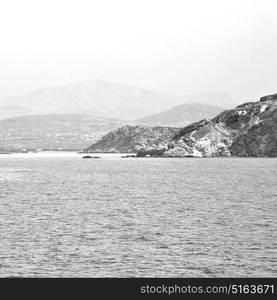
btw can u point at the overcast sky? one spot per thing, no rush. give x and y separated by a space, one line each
170 46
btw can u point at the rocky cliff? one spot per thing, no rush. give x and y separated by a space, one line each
250 129
132 139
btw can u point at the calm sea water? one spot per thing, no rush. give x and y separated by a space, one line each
61 215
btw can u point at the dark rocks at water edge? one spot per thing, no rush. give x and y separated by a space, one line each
88 156
249 129
151 153
156 153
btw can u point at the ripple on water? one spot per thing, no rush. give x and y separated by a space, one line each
11 174
158 217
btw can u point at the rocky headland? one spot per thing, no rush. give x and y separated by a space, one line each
132 139
249 129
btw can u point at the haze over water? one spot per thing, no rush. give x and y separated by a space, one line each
61 215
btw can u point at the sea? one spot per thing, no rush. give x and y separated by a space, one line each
65 216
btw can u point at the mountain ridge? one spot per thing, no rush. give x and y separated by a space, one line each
99 97
181 115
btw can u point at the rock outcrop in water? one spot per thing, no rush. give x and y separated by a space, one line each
249 129
132 139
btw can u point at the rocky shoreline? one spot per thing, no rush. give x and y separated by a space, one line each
248 130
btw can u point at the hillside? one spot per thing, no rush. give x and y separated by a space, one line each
133 139
249 129
49 132
181 115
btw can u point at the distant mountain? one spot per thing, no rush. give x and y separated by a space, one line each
53 132
181 115
102 98
133 139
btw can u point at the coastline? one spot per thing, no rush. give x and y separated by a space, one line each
109 155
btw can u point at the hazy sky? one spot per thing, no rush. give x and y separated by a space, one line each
170 46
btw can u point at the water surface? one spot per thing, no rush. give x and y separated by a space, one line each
61 215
